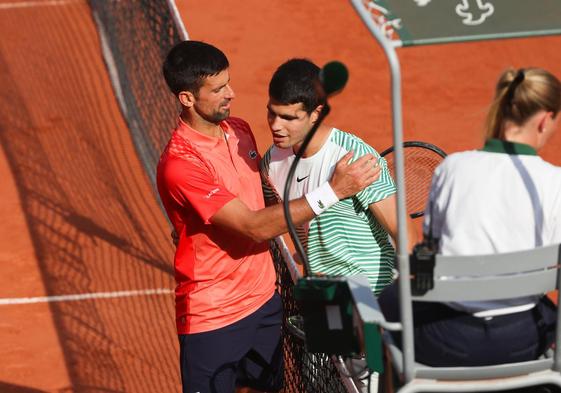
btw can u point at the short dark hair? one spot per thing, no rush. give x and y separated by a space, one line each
189 62
295 81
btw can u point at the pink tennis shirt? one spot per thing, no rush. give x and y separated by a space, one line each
221 277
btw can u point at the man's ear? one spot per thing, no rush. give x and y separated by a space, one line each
315 113
186 98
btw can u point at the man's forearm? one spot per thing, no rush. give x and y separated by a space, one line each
270 222
265 224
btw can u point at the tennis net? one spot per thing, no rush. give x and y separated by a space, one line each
136 35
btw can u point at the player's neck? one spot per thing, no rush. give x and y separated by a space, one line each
201 125
317 142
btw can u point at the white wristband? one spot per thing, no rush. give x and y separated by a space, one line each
322 198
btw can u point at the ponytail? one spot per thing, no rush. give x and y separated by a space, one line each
519 95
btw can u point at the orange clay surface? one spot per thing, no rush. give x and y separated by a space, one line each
78 217
78 212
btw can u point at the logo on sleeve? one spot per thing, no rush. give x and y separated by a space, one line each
252 154
212 192
299 179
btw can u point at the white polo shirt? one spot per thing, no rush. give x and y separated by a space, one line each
503 198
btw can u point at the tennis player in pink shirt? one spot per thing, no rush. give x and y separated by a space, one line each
228 313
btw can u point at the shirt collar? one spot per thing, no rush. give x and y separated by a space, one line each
500 146
202 140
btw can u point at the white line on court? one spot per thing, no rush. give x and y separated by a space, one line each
28 4
85 296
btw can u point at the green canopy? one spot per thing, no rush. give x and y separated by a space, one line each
421 22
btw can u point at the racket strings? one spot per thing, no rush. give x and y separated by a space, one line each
420 164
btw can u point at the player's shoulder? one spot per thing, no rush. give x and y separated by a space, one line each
239 125
179 153
242 131
178 147
349 141
340 136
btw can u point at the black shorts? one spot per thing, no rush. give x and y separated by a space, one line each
245 353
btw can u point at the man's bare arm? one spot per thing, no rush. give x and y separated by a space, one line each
264 224
385 212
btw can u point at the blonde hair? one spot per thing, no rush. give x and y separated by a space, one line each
519 95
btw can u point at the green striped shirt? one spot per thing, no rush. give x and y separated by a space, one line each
346 239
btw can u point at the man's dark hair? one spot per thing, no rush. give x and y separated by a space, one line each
297 81
189 62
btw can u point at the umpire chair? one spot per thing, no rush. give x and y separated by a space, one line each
479 278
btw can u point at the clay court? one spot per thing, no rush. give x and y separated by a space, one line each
80 218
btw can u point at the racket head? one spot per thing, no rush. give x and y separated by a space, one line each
420 161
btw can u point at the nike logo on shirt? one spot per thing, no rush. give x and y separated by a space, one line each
299 179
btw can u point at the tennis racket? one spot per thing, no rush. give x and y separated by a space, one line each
420 160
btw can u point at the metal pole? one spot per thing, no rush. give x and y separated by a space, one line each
177 20
406 312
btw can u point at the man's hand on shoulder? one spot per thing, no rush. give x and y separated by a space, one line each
349 179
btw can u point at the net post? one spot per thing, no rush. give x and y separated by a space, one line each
181 30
